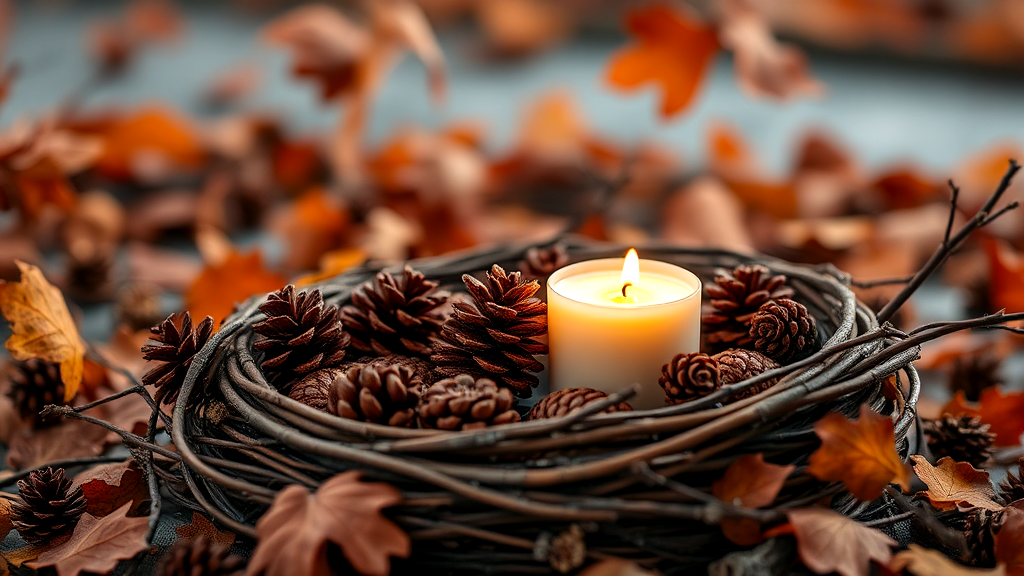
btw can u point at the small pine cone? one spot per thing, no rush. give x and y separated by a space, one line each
465 403
422 370
734 298
89 274
300 334
541 262
782 329
34 384
738 364
380 395
314 389
979 528
1011 488
497 335
962 438
395 315
138 306
567 551
51 506
173 343
689 376
562 402
199 557
973 374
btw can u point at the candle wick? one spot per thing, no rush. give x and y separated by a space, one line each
624 286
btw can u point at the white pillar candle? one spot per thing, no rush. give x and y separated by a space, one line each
614 322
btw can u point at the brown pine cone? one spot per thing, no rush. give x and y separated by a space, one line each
138 306
173 343
979 528
541 262
34 384
465 403
199 557
1011 488
395 315
973 374
88 278
422 370
314 389
782 329
562 402
380 395
51 506
299 335
495 336
963 438
734 298
737 365
689 376
567 551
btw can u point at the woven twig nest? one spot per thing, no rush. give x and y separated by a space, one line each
494 500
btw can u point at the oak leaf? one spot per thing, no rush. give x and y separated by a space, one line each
216 289
860 453
97 544
1009 542
830 542
1004 413
295 532
201 527
924 562
954 484
673 50
752 483
41 326
108 487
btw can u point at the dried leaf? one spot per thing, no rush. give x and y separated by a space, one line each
830 542
154 20
673 50
332 264
68 439
97 545
953 485
5 518
516 28
41 326
924 562
161 267
1006 276
732 160
682 221
201 527
752 483
232 85
108 487
615 567
1009 542
860 453
403 24
10 420
295 532
1004 413
218 288
316 223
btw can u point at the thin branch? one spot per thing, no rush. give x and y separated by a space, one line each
66 463
882 282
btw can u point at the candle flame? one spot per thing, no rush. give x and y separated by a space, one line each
630 270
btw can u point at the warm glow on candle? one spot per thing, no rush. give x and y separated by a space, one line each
630 270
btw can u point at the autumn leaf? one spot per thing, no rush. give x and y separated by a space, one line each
333 263
924 562
752 483
1004 413
615 567
673 51
295 532
217 288
201 527
68 439
954 484
1006 276
108 487
97 545
1009 542
516 28
41 326
861 453
316 223
5 518
830 542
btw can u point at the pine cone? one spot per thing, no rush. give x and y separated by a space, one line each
138 306
562 402
88 276
973 374
395 315
979 528
737 365
380 395
495 336
299 335
314 389
541 262
1011 488
51 506
782 329
689 376
34 384
199 557
173 348
734 298
422 370
465 403
567 551
962 438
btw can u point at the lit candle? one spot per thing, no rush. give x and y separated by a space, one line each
614 322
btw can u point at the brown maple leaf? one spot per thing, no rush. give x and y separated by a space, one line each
41 326
1003 412
295 532
954 484
108 487
830 542
924 562
673 50
201 527
219 287
860 453
1009 542
97 545
752 483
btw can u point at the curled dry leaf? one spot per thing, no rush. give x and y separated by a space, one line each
924 562
109 487
955 484
1003 412
860 453
752 483
201 527
97 545
218 288
41 326
830 542
295 532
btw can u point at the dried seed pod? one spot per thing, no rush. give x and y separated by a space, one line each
380 395
782 329
689 376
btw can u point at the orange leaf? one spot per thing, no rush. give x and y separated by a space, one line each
97 545
673 50
201 527
830 542
1006 280
752 483
314 224
5 518
924 562
953 484
41 326
295 532
108 487
1004 413
521 27
217 288
615 567
1009 542
148 143
861 453
332 264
